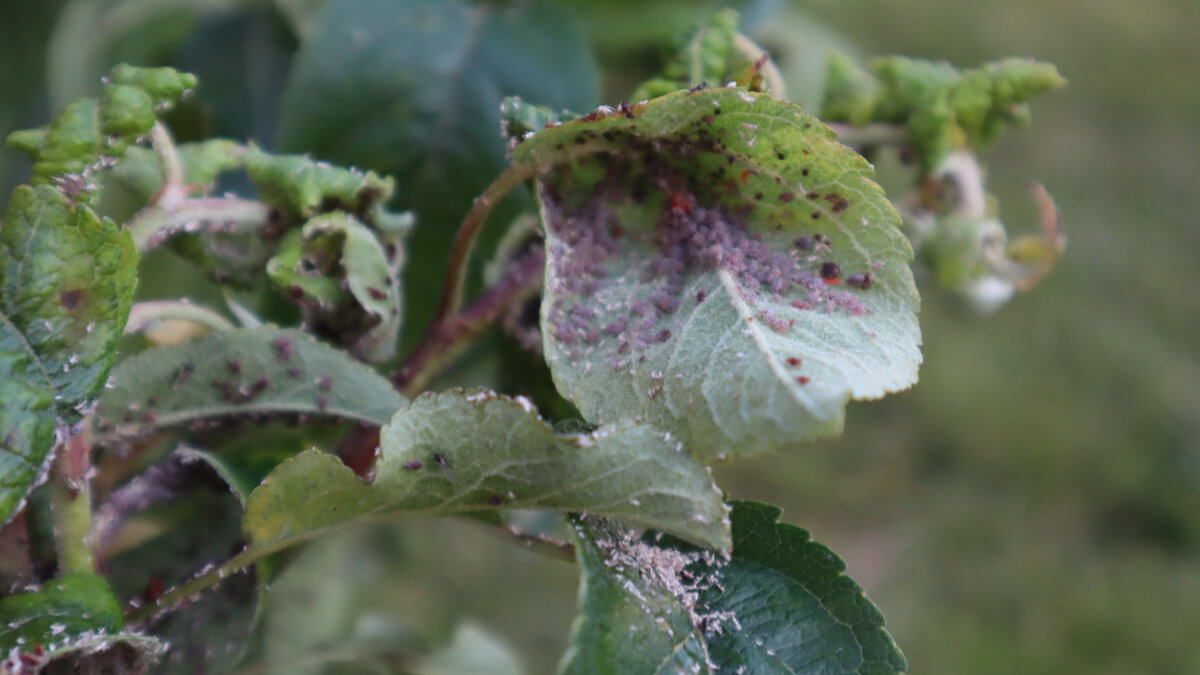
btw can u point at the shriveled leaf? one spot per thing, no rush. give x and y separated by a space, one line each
708 58
780 604
66 285
244 371
346 279
89 133
73 622
720 267
304 187
412 88
629 618
944 108
460 453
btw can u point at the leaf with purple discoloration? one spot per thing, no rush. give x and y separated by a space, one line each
720 267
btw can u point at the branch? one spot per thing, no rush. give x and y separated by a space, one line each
450 338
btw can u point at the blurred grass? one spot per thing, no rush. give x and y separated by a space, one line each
1033 505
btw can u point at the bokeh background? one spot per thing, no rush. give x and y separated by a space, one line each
1031 506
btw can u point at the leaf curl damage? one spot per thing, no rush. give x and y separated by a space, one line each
598 260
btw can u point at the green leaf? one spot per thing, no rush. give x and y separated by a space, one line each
412 88
346 279
66 285
709 57
793 603
244 371
780 604
73 620
943 107
198 526
304 187
89 134
629 619
720 267
460 453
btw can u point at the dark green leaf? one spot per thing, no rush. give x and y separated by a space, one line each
247 371
780 604
795 609
199 526
73 619
412 89
720 267
66 285
461 453
629 618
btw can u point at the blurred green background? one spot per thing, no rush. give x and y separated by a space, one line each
1032 505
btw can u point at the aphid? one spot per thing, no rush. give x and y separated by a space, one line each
786 197
804 243
412 465
445 464
283 347
862 281
185 371
625 109
495 500
663 335
701 295
70 299
325 382
322 403
376 293
830 270
235 366
793 361
699 87
803 379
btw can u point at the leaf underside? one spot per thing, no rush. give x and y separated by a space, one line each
468 452
720 267
240 372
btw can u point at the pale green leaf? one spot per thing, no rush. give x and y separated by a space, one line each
243 371
469 452
720 267
66 285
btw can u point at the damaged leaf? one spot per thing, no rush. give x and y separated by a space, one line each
720 267
467 452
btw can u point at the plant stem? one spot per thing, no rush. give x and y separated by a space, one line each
468 233
520 280
173 190
776 85
859 137
71 505
156 223
143 314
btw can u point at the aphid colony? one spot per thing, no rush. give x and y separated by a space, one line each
632 308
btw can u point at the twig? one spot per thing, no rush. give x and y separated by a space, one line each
869 135
71 504
521 279
541 544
